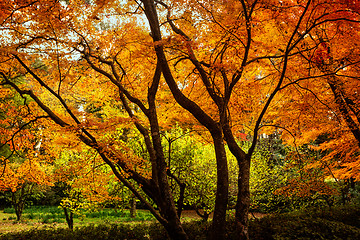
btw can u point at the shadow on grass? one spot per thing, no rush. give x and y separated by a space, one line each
337 223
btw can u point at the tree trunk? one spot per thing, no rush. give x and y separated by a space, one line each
222 190
175 230
243 198
167 209
345 109
69 218
204 215
18 202
218 227
243 201
19 207
164 200
133 207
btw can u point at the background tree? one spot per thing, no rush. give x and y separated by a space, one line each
26 167
88 182
191 162
326 109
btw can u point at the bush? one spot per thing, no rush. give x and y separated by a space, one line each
339 223
306 228
91 232
9 210
349 215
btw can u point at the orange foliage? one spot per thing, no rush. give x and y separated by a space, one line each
252 66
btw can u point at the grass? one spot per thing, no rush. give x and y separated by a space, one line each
52 216
318 223
341 223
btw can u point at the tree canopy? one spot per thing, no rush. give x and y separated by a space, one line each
88 71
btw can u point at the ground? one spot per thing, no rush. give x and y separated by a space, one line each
7 225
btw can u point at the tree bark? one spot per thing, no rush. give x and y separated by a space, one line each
18 202
218 228
133 207
69 216
344 108
243 196
243 201
222 190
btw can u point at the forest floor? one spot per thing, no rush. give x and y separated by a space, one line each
9 224
340 222
193 215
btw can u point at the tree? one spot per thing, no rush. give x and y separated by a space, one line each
215 57
88 182
239 35
191 163
58 90
24 162
326 106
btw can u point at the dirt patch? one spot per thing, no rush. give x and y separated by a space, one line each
192 214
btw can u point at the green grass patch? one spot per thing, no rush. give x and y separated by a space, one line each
54 214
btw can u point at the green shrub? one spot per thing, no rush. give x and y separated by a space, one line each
197 229
349 215
30 216
9 210
339 223
315 229
46 219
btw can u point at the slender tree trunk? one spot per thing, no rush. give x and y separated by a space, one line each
165 199
133 207
18 202
69 218
182 186
204 215
180 202
19 207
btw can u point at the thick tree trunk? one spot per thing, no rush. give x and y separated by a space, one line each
222 190
243 197
168 211
345 109
243 201
165 200
218 228
19 207
175 230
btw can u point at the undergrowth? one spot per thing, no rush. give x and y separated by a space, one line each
336 223
53 214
